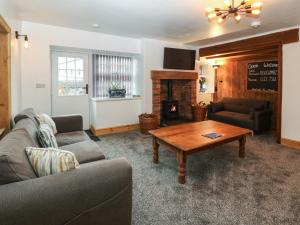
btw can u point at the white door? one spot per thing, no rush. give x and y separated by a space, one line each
70 85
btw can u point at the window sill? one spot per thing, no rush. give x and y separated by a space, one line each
106 99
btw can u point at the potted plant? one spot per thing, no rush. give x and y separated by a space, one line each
115 91
199 111
202 81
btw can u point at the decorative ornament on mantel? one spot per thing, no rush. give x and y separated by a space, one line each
245 8
202 82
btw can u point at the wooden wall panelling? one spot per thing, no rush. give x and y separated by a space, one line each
253 53
255 43
258 49
279 97
234 76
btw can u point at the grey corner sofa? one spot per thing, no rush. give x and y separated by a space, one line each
99 192
248 113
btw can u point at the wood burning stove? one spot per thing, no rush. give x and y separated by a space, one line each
170 107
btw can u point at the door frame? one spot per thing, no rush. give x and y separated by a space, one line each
68 50
5 71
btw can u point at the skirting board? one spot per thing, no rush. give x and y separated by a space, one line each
113 130
290 143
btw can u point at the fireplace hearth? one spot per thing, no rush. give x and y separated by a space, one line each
173 94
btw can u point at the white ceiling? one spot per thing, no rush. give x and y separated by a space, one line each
173 20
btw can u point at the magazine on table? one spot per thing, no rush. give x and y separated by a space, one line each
212 135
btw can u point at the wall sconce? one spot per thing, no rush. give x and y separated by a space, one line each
216 66
26 43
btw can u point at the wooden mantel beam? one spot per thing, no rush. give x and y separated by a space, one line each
173 75
279 38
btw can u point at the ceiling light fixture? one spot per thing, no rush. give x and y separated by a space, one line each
26 43
246 7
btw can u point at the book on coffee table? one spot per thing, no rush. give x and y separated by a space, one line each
212 135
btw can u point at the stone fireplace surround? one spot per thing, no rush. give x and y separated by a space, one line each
184 90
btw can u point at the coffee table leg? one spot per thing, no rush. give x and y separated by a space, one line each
181 157
155 151
242 143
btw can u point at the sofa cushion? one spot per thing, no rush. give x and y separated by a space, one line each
217 106
85 151
14 164
31 128
47 161
239 108
234 118
249 103
71 138
44 118
46 136
253 110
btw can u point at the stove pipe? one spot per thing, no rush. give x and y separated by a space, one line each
170 89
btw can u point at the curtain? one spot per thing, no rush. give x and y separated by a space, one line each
111 70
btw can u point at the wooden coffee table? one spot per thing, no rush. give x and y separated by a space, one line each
185 139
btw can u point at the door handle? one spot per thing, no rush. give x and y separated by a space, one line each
87 89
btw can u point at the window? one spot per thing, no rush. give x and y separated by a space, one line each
70 76
108 71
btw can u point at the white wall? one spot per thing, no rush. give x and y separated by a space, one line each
153 52
291 92
209 72
9 14
114 113
36 67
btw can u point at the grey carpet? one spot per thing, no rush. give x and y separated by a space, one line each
221 189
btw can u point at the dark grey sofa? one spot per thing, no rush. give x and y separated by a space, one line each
99 192
248 113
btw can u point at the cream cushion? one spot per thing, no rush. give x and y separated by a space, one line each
44 118
47 161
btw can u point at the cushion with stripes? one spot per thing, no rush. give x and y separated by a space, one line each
46 136
47 161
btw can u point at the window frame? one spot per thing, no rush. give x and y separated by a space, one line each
130 73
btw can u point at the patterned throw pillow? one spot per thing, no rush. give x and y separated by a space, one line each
46 136
47 161
45 119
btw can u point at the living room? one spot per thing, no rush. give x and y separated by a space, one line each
97 96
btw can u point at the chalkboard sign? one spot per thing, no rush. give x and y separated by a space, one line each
263 76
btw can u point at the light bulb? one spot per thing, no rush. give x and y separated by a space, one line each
26 43
257 5
256 12
220 20
227 3
212 15
209 10
238 17
247 2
